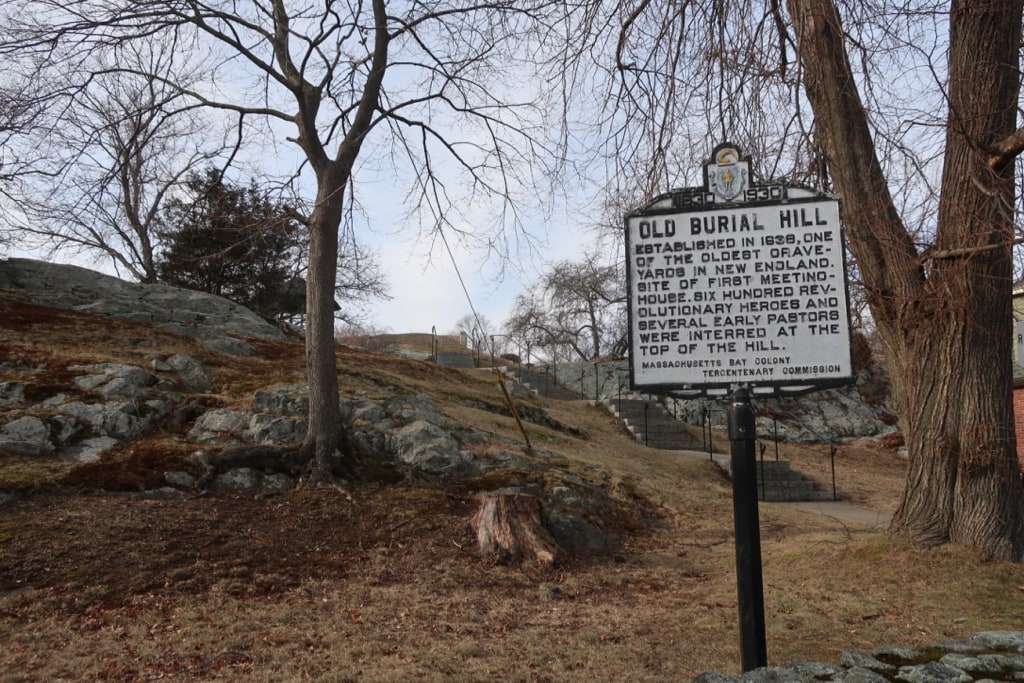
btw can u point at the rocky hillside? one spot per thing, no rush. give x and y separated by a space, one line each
99 388
152 525
96 371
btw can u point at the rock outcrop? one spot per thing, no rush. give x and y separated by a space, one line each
221 324
102 408
986 657
245 450
112 403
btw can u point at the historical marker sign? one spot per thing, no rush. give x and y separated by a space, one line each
737 284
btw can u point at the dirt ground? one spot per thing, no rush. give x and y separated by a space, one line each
382 582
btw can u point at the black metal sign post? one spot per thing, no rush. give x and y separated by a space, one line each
749 581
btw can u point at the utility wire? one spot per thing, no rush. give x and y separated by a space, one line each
462 282
494 364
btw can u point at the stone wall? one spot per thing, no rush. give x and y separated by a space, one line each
986 656
1018 420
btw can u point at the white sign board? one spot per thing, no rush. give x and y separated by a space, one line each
744 294
1019 325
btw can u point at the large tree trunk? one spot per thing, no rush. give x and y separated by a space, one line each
326 441
976 289
953 395
944 317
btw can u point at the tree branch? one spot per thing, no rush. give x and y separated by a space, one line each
929 255
1006 150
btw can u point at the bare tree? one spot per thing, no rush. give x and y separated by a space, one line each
473 326
416 83
576 310
943 313
909 111
100 178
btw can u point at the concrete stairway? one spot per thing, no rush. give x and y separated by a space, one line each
655 427
777 481
542 382
652 425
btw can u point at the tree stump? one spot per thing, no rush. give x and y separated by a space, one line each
509 530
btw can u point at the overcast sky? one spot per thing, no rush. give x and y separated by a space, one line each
426 291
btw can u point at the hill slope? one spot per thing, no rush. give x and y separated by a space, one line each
103 578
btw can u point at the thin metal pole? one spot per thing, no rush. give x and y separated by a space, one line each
775 434
760 466
646 436
707 423
832 451
749 580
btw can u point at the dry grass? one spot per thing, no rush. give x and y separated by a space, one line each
381 583
866 475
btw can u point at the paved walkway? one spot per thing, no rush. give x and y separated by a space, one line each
844 512
838 509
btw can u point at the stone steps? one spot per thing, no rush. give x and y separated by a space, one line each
543 383
655 427
777 481
652 425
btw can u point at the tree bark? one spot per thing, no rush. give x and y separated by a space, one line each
946 328
974 211
325 435
509 530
